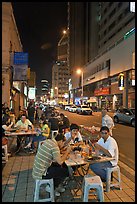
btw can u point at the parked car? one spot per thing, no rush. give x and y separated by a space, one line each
126 115
84 109
73 109
67 106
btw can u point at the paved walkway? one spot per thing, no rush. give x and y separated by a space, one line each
18 184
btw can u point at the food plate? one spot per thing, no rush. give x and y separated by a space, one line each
13 130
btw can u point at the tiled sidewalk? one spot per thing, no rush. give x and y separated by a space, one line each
18 185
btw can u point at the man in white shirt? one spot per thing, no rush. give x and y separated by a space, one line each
107 121
74 134
23 124
108 146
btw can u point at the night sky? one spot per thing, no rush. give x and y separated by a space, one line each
40 27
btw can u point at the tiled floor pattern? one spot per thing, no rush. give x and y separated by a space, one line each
18 185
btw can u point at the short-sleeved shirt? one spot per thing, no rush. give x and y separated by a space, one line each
68 135
108 121
23 125
45 127
47 153
112 147
54 123
66 123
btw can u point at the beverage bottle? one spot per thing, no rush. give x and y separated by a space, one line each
90 151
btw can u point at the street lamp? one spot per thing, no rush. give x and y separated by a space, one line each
79 71
64 32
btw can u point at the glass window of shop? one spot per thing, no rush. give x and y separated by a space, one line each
119 101
131 100
106 102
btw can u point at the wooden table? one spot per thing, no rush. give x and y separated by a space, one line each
22 136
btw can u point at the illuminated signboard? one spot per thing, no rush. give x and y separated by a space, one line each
21 58
133 77
132 6
102 91
25 90
121 81
32 93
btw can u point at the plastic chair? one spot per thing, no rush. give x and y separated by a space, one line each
5 154
93 182
37 190
54 133
108 178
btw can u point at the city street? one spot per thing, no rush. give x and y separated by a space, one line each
124 134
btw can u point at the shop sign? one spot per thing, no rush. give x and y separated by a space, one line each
92 100
101 91
21 58
25 90
32 93
20 73
132 7
121 81
133 77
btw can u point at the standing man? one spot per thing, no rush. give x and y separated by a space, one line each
31 112
108 146
53 122
107 121
64 123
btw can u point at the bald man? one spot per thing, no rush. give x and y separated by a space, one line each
107 121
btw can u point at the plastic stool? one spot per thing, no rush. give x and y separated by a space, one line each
5 156
108 178
37 189
54 133
95 183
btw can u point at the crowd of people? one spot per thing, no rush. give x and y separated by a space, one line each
51 152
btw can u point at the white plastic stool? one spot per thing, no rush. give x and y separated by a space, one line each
95 183
37 189
54 133
108 178
5 156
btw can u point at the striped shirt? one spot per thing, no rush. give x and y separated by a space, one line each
47 153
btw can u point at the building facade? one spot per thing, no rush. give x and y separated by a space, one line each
61 72
12 93
102 43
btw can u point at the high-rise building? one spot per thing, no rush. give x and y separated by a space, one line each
60 71
44 87
102 44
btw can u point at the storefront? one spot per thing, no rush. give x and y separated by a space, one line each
131 100
92 102
102 95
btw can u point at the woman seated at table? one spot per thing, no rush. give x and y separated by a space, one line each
43 132
6 126
74 134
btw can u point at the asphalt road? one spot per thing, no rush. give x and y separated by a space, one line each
124 134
